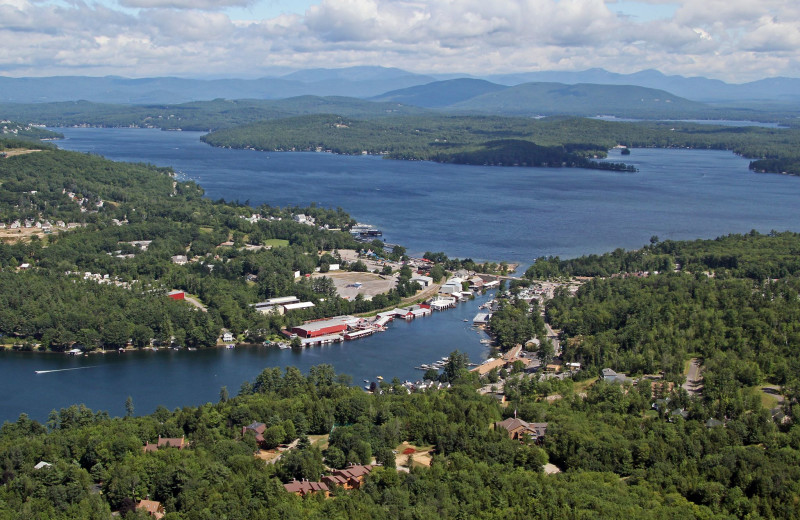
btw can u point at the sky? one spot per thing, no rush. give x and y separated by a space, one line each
732 40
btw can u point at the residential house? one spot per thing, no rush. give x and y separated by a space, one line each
258 430
349 478
166 442
609 376
304 487
519 429
152 508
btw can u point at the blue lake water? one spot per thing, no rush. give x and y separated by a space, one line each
514 214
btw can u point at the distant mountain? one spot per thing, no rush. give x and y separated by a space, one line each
531 99
440 94
359 82
694 88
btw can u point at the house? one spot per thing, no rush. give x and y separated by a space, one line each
609 376
42 464
349 478
166 442
180 259
519 429
177 295
304 487
152 508
227 337
258 430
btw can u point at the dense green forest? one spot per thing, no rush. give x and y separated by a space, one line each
510 141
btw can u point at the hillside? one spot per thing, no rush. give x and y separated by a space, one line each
532 99
440 94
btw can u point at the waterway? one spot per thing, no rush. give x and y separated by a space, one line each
514 214
180 378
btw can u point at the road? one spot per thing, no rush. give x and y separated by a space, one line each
694 379
194 301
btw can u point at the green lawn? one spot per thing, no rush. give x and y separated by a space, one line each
276 242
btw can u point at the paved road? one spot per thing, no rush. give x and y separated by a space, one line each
694 379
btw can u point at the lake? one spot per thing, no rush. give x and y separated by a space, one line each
514 214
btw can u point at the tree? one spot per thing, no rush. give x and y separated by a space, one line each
223 394
546 351
455 366
129 407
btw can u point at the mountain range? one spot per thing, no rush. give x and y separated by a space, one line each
368 82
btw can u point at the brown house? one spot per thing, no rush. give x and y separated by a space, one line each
304 487
166 442
349 478
152 508
258 430
519 429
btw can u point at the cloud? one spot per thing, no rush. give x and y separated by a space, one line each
204 5
734 40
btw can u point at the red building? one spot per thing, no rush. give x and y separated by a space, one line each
177 295
319 328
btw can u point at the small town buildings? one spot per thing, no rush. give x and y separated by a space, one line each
166 442
519 429
152 508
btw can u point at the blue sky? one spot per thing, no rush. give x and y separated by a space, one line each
732 40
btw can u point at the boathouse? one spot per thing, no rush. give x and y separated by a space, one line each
320 328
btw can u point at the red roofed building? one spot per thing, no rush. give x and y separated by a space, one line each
177 295
151 507
314 329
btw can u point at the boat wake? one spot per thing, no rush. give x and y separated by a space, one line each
62 369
